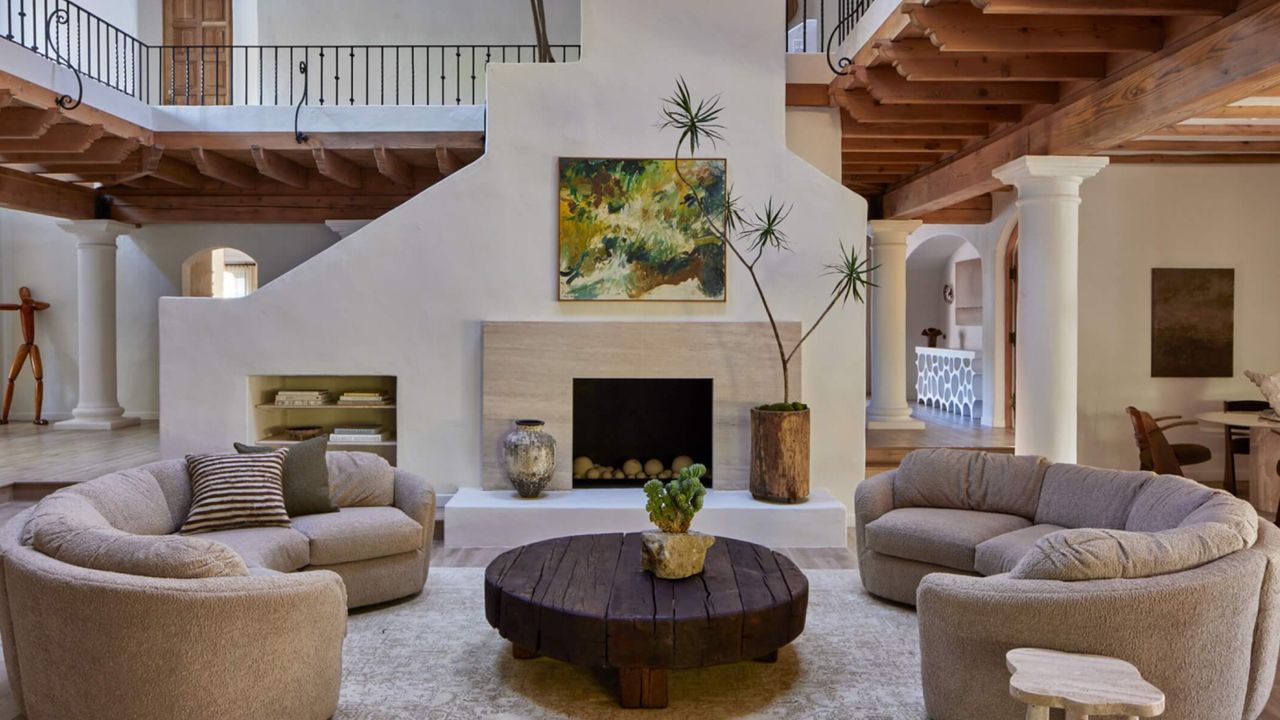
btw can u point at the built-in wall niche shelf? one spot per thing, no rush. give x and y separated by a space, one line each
271 421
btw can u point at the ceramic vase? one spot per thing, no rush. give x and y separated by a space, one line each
531 457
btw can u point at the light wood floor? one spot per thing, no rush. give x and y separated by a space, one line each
942 429
32 454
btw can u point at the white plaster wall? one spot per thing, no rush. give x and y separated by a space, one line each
407 294
386 22
35 252
964 337
814 134
1134 218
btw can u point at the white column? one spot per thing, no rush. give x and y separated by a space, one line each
1048 300
98 407
889 409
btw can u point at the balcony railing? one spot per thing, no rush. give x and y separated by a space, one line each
258 74
820 26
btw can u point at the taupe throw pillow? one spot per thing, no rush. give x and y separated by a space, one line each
306 476
1103 554
229 491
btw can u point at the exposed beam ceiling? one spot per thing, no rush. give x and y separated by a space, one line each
960 27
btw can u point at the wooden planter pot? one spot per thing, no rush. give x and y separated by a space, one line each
780 455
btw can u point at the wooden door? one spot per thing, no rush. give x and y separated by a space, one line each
1011 329
196 61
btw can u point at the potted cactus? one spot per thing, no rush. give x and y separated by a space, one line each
675 552
779 430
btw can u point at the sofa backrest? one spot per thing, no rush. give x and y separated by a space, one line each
969 480
130 500
360 479
1078 496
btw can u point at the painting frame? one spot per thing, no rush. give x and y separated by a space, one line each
1192 322
722 265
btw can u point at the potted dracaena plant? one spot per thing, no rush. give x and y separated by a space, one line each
779 430
675 552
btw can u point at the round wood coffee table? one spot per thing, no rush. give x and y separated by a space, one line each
585 600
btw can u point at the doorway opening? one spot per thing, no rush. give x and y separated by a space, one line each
219 273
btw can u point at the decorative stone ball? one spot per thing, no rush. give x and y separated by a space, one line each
681 463
631 467
653 467
581 465
665 475
593 474
631 476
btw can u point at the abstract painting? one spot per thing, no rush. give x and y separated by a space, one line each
633 230
1192 322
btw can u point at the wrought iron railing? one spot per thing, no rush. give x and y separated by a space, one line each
819 26
258 74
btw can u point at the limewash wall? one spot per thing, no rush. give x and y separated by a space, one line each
1134 218
35 252
407 295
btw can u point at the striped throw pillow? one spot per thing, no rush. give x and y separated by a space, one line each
230 490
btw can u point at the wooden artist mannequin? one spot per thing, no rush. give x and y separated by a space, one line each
26 309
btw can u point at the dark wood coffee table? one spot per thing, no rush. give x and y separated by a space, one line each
585 600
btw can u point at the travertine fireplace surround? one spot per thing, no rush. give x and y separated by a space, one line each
529 369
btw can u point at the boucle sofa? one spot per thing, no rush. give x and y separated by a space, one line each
249 627
999 552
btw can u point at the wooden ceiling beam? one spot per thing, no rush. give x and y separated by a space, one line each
896 145
278 167
64 137
1198 159
882 167
863 108
964 28
1218 146
923 158
336 167
917 59
107 151
888 87
141 208
1200 130
32 193
950 131
393 167
448 162
224 169
25 123
1229 58
1107 7
1242 112
808 95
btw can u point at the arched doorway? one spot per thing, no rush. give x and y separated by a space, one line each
944 291
1011 328
219 273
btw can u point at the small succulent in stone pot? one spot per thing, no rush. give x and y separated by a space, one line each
675 552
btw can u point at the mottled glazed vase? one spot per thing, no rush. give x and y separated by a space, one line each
531 457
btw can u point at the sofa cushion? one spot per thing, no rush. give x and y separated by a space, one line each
1228 510
275 548
940 536
175 484
1076 496
969 480
112 550
1001 553
306 476
58 507
1103 554
359 533
130 500
230 490
1164 502
1007 483
360 479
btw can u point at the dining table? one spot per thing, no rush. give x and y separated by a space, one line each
1264 454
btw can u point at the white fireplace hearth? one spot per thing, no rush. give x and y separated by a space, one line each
501 518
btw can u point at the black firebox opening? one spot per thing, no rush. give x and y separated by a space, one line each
620 419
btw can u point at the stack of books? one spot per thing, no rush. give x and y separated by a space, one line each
357 433
303 398
365 398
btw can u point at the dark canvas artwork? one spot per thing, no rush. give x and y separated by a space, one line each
1192 322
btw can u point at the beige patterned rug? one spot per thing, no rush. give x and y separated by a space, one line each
435 657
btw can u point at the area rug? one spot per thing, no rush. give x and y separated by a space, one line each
435 657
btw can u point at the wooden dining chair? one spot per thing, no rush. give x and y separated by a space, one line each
1155 452
1237 438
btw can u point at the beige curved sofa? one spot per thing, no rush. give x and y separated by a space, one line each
994 551
258 639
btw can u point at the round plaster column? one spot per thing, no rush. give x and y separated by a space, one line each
889 409
1048 300
98 406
